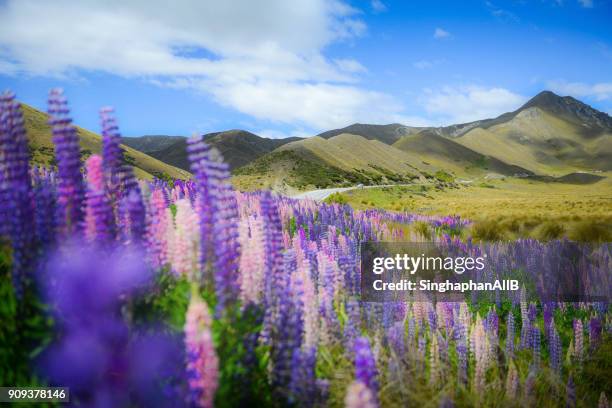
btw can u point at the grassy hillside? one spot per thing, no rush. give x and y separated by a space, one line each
506 209
39 134
150 143
387 134
238 147
542 143
448 154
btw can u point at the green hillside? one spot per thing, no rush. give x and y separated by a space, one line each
41 145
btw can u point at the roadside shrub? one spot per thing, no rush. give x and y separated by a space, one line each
548 231
591 231
336 198
487 231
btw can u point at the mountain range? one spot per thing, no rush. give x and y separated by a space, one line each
549 137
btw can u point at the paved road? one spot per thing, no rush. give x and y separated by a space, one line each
320 195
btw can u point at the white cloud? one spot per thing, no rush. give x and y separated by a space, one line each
378 6
586 3
262 58
439 33
350 65
600 91
469 103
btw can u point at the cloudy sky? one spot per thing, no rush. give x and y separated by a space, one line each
298 67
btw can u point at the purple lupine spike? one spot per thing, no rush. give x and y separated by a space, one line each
45 208
536 346
199 157
218 219
136 216
548 317
273 261
396 338
595 330
365 365
71 188
304 388
556 351
287 329
16 189
510 334
353 323
570 393
112 155
225 237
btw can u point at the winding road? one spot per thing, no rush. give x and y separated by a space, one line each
320 195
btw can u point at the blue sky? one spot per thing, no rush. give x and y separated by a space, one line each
281 68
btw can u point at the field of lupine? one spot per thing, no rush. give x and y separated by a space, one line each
138 293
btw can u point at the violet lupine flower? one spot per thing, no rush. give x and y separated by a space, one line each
556 350
202 360
96 354
99 217
353 323
218 219
71 189
199 157
365 364
358 395
45 208
510 334
225 238
595 330
535 339
303 379
136 215
570 393
16 189
111 150
578 340
286 330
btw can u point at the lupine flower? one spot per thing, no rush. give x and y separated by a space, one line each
556 350
365 364
16 189
287 330
358 395
99 217
512 382
95 353
159 225
570 392
303 379
71 190
185 242
202 360
535 336
594 331
578 340
111 150
510 334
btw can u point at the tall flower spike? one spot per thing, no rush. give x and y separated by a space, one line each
71 189
365 364
111 150
202 360
16 188
99 218
218 220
